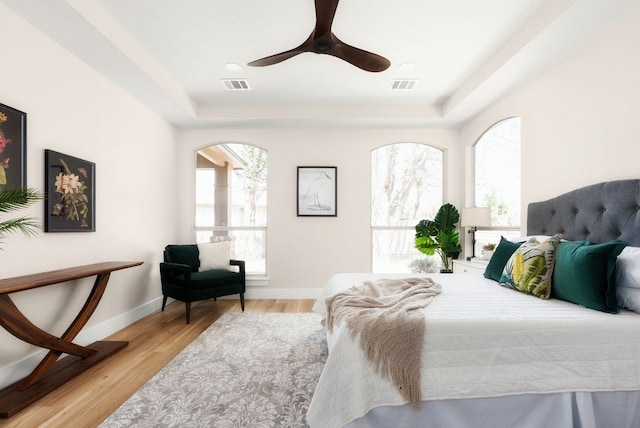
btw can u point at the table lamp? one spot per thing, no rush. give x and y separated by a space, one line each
473 218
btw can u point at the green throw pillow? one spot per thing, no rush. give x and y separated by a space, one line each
530 267
501 255
585 274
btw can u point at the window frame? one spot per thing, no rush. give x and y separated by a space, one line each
508 231
253 278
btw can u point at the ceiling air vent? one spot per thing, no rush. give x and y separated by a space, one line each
236 84
403 85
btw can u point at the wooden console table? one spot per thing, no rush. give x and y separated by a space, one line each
51 373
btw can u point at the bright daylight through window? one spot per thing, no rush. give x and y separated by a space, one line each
406 187
231 201
497 181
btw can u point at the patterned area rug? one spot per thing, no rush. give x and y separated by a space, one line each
245 370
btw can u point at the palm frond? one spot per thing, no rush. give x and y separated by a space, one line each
14 198
26 225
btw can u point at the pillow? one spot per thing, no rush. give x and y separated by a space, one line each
628 298
522 239
585 274
628 268
214 255
530 267
501 255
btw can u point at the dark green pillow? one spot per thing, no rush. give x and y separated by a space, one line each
585 274
501 255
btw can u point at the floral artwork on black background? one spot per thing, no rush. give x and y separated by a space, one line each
70 197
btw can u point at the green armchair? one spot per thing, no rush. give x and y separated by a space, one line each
182 279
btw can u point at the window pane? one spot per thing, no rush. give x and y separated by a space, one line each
406 187
205 190
247 245
394 252
249 186
497 172
406 184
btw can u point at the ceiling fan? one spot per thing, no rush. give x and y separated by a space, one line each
323 41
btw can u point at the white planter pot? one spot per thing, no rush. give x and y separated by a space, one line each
486 255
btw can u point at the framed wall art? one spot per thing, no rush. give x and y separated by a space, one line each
317 191
13 147
70 197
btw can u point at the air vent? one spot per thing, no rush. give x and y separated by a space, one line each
236 84
403 85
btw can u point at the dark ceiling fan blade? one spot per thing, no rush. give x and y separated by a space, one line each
274 59
325 12
365 60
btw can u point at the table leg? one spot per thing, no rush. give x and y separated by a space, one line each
74 328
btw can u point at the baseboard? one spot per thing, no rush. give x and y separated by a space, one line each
22 368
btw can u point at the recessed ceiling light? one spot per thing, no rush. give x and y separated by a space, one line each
232 66
407 66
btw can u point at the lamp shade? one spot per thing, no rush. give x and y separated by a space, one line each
476 216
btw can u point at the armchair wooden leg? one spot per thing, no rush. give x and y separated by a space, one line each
188 304
242 301
164 302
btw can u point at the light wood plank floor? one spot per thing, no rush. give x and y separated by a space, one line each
88 399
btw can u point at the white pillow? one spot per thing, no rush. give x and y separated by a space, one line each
214 255
628 298
628 268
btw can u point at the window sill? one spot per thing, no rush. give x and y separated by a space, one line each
257 280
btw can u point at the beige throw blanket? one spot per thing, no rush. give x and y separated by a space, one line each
387 314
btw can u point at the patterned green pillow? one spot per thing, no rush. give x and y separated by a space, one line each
530 268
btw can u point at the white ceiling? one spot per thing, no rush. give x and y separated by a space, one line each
171 54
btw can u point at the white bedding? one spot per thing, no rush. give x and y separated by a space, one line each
484 340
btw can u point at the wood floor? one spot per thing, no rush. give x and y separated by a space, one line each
88 399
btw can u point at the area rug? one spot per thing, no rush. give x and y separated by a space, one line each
245 370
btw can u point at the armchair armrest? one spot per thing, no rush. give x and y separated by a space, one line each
170 270
239 263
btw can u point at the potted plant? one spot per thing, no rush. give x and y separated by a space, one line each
440 236
14 198
487 251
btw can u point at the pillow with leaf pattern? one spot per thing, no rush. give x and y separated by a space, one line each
530 269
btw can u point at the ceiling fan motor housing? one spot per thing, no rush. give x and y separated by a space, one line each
320 46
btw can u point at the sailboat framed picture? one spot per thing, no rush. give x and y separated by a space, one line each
317 188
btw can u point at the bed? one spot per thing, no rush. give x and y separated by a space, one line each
493 356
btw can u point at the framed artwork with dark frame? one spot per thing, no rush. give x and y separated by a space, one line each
13 147
70 197
317 191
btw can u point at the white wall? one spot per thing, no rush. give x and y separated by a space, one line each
72 109
303 252
579 120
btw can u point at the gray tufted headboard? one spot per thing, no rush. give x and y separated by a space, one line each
599 213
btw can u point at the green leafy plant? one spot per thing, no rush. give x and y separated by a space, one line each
489 247
16 198
440 236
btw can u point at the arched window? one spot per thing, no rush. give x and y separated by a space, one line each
497 180
406 187
231 200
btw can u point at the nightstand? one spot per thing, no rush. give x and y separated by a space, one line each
469 266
